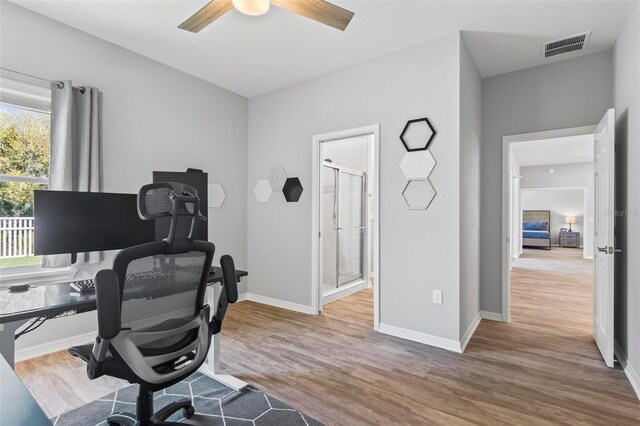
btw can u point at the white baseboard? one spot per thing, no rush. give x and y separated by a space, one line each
340 293
280 303
242 297
416 336
631 372
464 341
491 316
54 346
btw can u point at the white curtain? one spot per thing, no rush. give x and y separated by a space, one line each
75 164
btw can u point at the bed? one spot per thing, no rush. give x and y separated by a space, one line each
535 229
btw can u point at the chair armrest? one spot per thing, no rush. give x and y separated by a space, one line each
108 303
228 293
229 275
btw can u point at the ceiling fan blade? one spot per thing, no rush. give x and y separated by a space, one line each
209 13
318 10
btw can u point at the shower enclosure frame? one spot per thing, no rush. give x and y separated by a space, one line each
372 133
364 240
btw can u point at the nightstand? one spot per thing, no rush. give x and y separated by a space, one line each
570 239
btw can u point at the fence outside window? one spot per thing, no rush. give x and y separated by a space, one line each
16 237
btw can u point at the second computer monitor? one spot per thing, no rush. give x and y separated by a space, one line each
198 180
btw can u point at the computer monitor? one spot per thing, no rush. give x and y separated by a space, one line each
76 222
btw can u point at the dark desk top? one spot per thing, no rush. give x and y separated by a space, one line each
56 299
17 406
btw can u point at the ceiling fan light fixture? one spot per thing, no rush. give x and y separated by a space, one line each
252 7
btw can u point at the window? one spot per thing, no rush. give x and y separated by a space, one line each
24 167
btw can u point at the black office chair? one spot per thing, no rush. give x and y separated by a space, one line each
153 326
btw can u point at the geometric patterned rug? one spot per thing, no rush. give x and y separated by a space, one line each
214 403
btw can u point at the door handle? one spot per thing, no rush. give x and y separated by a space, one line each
603 249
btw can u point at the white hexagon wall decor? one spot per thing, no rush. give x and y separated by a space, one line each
417 164
262 191
418 194
277 178
216 195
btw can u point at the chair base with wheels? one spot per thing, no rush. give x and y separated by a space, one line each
145 415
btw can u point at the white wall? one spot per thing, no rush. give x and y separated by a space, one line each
154 118
626 65
419 249
560 203
470 134
566 176
572 93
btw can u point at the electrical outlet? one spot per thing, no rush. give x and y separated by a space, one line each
437 297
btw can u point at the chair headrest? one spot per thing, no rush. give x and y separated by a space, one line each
171 199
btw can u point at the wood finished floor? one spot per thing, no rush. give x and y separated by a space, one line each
543 368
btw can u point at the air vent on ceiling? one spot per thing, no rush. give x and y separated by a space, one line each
565 45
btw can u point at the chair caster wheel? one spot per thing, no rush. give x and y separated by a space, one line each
189 411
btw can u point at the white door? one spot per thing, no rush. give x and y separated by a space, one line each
604 171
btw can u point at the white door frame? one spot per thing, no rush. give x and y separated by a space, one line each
516 216
374 184
506 200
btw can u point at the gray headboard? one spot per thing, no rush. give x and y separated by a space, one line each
537 216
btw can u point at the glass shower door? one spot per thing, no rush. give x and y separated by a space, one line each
344 230
330 228
351 226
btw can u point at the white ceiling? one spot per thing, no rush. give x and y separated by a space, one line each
254 55
565 150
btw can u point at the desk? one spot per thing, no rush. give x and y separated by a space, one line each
17 406
56 299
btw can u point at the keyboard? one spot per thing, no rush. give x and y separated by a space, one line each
83 286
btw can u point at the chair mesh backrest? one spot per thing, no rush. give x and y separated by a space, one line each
157 201
161 292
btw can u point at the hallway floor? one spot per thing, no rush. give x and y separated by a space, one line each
553 288
541 369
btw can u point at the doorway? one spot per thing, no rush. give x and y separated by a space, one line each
345 250
344 224
546 265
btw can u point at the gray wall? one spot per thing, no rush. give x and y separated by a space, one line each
626 60
470 134
419 249
154 118
571 93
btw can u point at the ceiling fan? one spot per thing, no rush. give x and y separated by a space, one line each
318 10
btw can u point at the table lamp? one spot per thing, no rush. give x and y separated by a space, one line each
570 220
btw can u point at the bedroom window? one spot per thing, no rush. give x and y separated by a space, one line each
24 167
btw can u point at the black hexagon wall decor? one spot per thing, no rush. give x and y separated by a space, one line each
418 134
292 189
